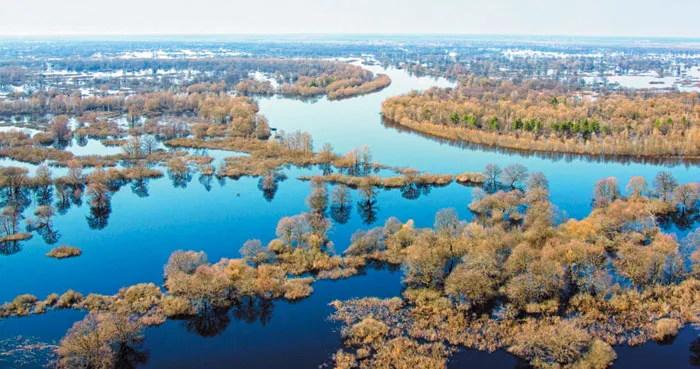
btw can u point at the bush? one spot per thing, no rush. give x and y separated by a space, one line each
97 340
19 306
600 356
69 299
298 288
471 178
20 236
367 331
173 306
63 252
51 299
666 327
550 344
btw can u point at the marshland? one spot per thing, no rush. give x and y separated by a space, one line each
264 211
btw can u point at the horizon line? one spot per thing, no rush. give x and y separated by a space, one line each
326 34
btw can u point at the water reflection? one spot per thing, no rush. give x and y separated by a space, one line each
254 309
130 356
139 187
340 213
206 181
368 210
180 179
209 323
694 359
10 247
683 221
269 184
213 322
99 216
547 155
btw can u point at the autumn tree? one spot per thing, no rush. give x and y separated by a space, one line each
637 187
664 184
687 196
492 173
60 129
514 174
605 192
98 340
255 253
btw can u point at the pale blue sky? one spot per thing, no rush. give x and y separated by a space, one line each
651 18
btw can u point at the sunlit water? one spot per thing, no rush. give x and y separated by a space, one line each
143 231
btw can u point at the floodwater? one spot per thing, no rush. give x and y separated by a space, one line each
145 227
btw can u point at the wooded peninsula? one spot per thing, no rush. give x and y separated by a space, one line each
542 116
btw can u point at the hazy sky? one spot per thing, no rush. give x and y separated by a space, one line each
548 17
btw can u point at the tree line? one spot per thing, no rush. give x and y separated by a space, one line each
541 116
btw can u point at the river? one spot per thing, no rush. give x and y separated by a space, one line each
142 231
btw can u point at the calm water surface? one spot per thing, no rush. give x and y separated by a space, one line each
217 218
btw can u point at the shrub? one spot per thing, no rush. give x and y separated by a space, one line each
63 252
471 178
367 331
184 261
666 327
19 236
545 344
173 306
51 299
97 340
69 299
19 306
94 302
297 288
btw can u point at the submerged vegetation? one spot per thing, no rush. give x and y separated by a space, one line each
515 275
557 294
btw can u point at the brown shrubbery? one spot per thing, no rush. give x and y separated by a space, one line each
63 252
383 182
556 295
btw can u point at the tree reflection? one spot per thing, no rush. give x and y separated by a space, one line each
326 169
221 180
340 213
44 195
10 219
410 191
252 309
82 141
209 323
140 187
99 216
19 199
43 224
130 356
206 181
270 183
695 352
368 211
63 197
180 179
682 220
8 248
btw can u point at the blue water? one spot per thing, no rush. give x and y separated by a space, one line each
143 231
